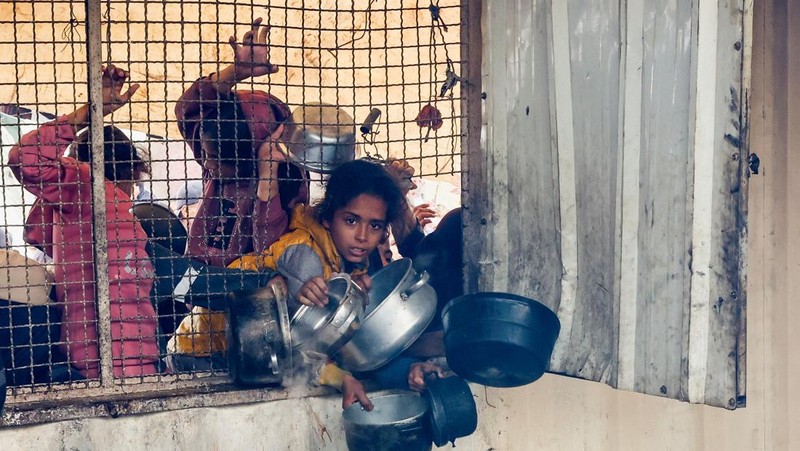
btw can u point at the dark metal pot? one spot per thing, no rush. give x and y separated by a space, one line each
452 409
258 337
396 423
499 339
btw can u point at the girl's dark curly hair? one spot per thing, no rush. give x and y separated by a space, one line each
123 160
227 130
355 178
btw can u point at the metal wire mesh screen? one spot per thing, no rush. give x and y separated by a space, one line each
401 57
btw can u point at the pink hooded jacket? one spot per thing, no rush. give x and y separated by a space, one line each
60 222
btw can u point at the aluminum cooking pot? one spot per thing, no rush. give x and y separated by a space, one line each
396 423
258 337
401 306
323 138
327 329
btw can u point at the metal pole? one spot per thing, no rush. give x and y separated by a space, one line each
94 62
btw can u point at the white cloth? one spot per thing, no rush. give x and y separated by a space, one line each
23 280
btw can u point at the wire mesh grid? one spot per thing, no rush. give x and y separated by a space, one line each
64 324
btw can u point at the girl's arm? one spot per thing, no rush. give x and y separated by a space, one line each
37 160
299 264
250 59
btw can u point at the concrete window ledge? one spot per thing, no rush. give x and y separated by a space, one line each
218 391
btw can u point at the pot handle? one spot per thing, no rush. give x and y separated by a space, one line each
423 279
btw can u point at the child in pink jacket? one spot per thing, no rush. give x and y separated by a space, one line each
61 222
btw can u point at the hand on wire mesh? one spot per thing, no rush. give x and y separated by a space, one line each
402 172
113 80
251 57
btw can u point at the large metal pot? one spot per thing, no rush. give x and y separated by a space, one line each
499 339
401 306
327 329
258 337
323 138
396 423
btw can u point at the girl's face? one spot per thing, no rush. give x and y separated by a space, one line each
358 227
217 170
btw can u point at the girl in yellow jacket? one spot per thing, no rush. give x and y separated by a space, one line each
337 235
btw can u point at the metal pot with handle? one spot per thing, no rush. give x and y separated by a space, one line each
258 337
327 329
453 413
401 306
499 339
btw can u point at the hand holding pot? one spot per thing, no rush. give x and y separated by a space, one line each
269 155
353 391
363 281
418 372
314 293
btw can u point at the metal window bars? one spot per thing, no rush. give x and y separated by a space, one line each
403 57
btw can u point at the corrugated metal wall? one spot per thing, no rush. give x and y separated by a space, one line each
613 151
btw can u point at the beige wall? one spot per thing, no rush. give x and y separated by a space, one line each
396 66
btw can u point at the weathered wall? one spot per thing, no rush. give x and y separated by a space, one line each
614 187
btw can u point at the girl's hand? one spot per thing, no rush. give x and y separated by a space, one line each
251 57
423 214
269 151
113 97
269 154
352 391
402 172
314 293
112 78
417 372
364 281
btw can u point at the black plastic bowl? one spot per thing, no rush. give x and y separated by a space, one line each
499 339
